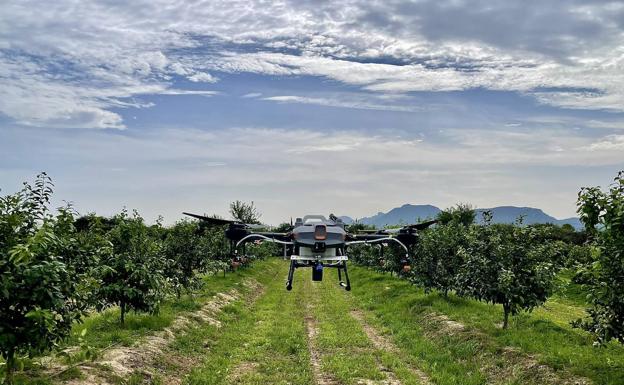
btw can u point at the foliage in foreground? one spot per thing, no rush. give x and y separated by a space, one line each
603 215
39 290
515 265
55 267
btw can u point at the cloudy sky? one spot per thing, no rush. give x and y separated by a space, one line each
349 107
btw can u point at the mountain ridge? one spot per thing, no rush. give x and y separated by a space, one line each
409 213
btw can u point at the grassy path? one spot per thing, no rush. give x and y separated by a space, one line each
388 332
307 336
384 332
247 329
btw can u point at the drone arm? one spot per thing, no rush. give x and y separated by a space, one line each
263 237
379 240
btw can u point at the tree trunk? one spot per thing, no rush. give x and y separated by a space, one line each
10 367
123 312
506 309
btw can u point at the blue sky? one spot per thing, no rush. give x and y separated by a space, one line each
311 106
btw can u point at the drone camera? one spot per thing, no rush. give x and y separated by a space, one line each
319 247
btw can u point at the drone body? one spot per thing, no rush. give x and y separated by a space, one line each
317 242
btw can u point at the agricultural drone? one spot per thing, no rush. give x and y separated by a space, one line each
316 242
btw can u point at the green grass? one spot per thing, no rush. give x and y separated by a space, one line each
260 343
546 333
104 328
266 342
264 339
345 350
570 293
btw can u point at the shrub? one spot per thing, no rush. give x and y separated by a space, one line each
187 250
504 265
462 214
438 257
131 275
38 301
602 214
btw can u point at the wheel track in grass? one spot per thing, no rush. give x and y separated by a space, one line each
261 343
317 302
382 343
320 377
186 363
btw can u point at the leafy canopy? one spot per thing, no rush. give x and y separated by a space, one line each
602 213
40 273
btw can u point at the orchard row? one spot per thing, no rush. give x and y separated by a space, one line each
518 266
55 267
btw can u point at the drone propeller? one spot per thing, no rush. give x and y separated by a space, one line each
417 226
255 226
210 220
423 225
221 222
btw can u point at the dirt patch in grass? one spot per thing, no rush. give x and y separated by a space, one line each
241 370
126 360
183 364
151 352
320 377
382 343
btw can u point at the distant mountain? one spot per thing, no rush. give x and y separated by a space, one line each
502 214
404 214
530 215
346 219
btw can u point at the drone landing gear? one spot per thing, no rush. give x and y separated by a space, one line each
291 272
317 272
347 284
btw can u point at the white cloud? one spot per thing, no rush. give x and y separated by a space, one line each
93 54
174 91
609 143
202 77
392 78
342 102
252 95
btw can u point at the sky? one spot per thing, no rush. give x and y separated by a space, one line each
350 107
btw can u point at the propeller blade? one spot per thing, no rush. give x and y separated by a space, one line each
417 226
220 222
423 225
210 220
255 226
